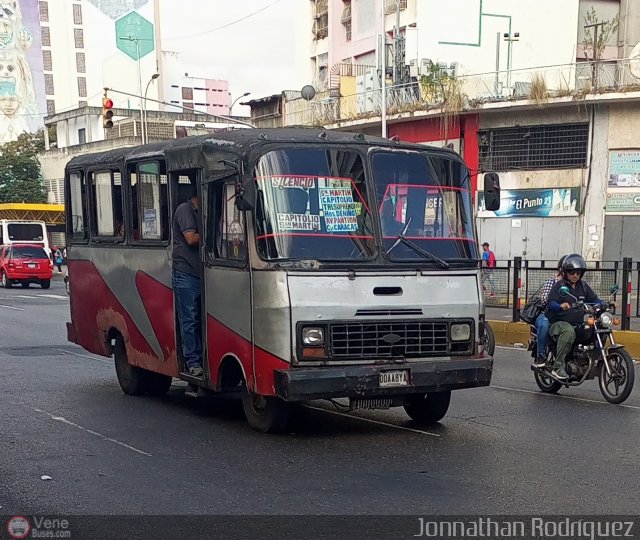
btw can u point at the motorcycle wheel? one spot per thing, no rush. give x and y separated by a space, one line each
616 387
546 383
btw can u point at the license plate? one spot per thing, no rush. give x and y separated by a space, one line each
31 265
394 378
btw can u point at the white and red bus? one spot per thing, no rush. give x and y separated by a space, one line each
334 266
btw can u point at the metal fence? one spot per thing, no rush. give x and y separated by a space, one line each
513 282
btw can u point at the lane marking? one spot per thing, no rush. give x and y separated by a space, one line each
560 396
91 431
25 296
110 362
11 307
374 421
56 296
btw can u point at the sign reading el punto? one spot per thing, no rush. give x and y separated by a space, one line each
553 202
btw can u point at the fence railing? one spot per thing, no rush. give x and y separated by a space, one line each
512 283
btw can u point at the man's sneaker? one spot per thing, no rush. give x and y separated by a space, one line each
539 363
196 371
559 373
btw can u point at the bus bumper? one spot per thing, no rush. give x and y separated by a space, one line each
301 384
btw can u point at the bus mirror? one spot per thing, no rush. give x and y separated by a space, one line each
491 191
246 195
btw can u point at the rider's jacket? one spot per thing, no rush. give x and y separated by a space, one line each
580 290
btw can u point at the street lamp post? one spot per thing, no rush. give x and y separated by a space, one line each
137 40
236 100
510 39
144 101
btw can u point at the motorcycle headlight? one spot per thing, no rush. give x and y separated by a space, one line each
460 332
606 319
313 336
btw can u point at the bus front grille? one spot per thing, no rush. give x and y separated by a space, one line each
397 339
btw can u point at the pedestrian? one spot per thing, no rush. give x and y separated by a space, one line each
57 258
488 264
185 280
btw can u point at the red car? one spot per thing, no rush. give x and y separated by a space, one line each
25 264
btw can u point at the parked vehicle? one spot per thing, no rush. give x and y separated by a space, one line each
594 354
333 265
25 264
24 232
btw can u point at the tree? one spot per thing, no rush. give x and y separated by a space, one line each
597 34
20 172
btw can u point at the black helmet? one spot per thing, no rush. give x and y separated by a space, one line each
574 262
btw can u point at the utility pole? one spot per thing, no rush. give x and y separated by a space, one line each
383 77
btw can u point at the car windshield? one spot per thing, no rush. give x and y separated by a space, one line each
28 252
25 232
312 205
426 199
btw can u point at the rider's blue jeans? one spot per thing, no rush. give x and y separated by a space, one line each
542 331
187 296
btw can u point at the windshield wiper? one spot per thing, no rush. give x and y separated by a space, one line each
416 248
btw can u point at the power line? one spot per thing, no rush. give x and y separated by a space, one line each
227 25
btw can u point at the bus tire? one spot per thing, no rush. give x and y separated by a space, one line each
267 414
131 378
157 383
428 408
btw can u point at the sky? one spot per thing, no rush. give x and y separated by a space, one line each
257 54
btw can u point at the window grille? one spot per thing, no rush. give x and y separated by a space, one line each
48 84
391 6
45 33
558 146
43 7
81 63
47 62
78 36
82 87
77 14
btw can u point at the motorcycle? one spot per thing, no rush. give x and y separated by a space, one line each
594 354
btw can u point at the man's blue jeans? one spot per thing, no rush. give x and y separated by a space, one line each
542 331
187 294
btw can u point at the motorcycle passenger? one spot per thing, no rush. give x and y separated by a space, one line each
542 321
563 317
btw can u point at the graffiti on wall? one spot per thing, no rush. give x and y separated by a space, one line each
20 53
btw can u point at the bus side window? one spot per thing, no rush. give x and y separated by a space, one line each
153 202
76 209
106 205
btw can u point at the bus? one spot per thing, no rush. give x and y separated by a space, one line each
24 232
333 266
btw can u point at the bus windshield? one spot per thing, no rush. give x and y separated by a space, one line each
426 198
313 204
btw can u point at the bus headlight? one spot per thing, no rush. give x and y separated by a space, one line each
312 336
460 332
606 319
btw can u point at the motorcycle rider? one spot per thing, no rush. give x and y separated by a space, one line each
563 317
542 321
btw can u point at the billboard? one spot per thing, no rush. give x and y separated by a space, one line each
624 168
552 202
22 97
623 201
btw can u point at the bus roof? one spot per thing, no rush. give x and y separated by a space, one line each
188 152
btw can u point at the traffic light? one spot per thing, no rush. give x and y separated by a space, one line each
107 113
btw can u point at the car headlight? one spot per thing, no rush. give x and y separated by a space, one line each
313 336
606 319
460 332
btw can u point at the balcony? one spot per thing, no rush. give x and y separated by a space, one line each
391 6
454 95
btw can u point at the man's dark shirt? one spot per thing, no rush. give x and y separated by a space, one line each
582 291
186 258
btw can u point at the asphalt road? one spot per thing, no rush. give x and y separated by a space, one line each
505 449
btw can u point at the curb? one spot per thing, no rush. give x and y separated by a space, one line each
510 333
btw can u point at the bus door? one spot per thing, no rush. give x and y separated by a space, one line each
227 285
183 184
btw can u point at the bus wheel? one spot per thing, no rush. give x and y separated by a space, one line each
157 383
428 408
266 413
132 379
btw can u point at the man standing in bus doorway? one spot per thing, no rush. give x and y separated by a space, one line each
185 281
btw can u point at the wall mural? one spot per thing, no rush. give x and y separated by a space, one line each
20 63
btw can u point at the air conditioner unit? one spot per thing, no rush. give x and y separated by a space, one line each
453 69
424 65
413 68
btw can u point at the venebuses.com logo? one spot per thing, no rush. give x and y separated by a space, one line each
19 527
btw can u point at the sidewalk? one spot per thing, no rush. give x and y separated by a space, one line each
510 333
